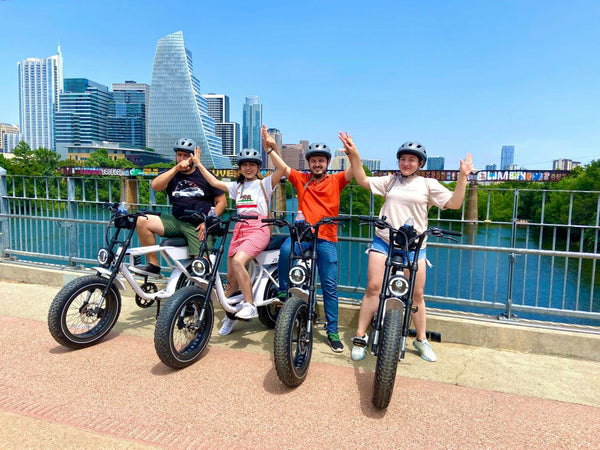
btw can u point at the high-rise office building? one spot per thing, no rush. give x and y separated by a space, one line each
371 164
491 167
435 162
128 114
507 157
565 164
7 128
177 108
82 117
252 122
40 84
229 132
293 154
277 136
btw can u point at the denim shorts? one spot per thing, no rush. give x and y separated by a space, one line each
380 246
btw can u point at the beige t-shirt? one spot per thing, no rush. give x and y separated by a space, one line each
408 197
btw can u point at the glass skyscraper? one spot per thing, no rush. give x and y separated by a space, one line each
229 132
177 109
40 84
435 163
82 116
507 157
252 123
128 113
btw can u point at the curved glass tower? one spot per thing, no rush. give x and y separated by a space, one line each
177 110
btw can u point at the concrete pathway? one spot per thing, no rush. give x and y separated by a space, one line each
117 394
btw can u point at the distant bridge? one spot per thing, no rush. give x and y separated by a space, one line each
491 175
441 175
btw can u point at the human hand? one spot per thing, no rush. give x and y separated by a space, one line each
349 147
196 156
200 229
268 140
466 166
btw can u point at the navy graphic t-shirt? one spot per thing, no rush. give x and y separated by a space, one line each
191 192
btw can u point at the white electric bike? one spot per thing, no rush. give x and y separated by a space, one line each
185 323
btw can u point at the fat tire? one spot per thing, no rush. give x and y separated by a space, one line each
292 355
170 322
387 359
59 315
268 314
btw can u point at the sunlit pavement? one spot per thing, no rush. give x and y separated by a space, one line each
118 394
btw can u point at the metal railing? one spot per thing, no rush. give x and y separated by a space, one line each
532 265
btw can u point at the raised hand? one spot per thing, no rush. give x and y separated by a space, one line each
349 147
197 156
466 166
268 140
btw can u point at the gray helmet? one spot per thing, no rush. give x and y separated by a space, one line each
413 148
184 145
318 149
249 155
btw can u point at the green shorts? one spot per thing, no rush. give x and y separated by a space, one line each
178 228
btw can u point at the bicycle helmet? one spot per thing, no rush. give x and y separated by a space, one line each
249 155
184 145
413 148
318 149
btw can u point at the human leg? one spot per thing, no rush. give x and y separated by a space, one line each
420 316
369 304
327 266
146 228
283 265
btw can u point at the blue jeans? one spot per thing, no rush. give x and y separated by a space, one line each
327 267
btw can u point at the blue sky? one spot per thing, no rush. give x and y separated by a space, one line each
458 76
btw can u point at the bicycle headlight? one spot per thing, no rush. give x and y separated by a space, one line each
200 267
298 275
104 257
398 286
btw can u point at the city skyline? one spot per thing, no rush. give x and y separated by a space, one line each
472 78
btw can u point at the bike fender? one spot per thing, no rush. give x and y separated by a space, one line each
393 303
107 273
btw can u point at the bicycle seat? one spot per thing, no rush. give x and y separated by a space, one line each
173 242
276 242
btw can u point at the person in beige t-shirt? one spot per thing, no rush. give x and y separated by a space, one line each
406 195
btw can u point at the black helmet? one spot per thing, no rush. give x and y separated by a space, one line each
413 148
248 155
184 145
318 149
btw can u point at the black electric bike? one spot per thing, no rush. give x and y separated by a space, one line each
391 323
298 316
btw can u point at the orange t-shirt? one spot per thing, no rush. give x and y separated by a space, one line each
319 199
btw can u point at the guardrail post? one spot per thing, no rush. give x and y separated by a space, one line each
512 257
4 210
71 207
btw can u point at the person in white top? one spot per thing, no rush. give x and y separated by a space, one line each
406 195
252 197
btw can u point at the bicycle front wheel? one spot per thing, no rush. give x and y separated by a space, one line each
387 359
183 327
293 342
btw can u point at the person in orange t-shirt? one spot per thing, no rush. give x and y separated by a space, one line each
318 197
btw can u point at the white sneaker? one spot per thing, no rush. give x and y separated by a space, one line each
359 351
425 350
227 326
248 311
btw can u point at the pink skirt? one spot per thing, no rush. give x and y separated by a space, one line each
250 238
